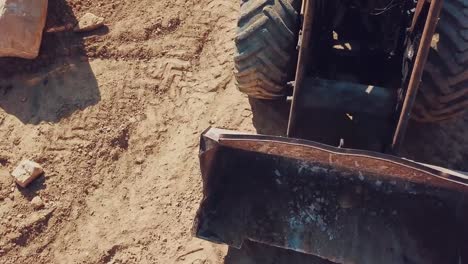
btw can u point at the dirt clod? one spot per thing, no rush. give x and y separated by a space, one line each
89 22
26 172
37 203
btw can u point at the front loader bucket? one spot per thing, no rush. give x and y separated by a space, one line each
343 205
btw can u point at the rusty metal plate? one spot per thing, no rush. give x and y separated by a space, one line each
342 205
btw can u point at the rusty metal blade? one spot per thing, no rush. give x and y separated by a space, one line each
343 205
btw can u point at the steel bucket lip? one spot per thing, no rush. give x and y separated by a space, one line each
443 177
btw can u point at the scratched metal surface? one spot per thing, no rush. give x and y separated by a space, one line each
341 215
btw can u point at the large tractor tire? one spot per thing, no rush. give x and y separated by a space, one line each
443 93
266 46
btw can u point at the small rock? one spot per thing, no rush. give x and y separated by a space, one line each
26 172
139 160
37 203
20 216
89 22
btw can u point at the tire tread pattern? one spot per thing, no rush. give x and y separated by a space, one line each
443 93
265 42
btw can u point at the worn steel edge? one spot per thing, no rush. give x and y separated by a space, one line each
422 173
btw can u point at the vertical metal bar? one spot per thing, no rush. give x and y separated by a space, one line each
308 9
421 58
417 12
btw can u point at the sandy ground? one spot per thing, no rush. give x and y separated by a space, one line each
114 116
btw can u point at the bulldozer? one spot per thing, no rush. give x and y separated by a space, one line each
334 186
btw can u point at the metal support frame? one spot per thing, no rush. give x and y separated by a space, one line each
308 8
418 68
397 131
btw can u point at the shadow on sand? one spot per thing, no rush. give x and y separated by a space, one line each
270 117
57 83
